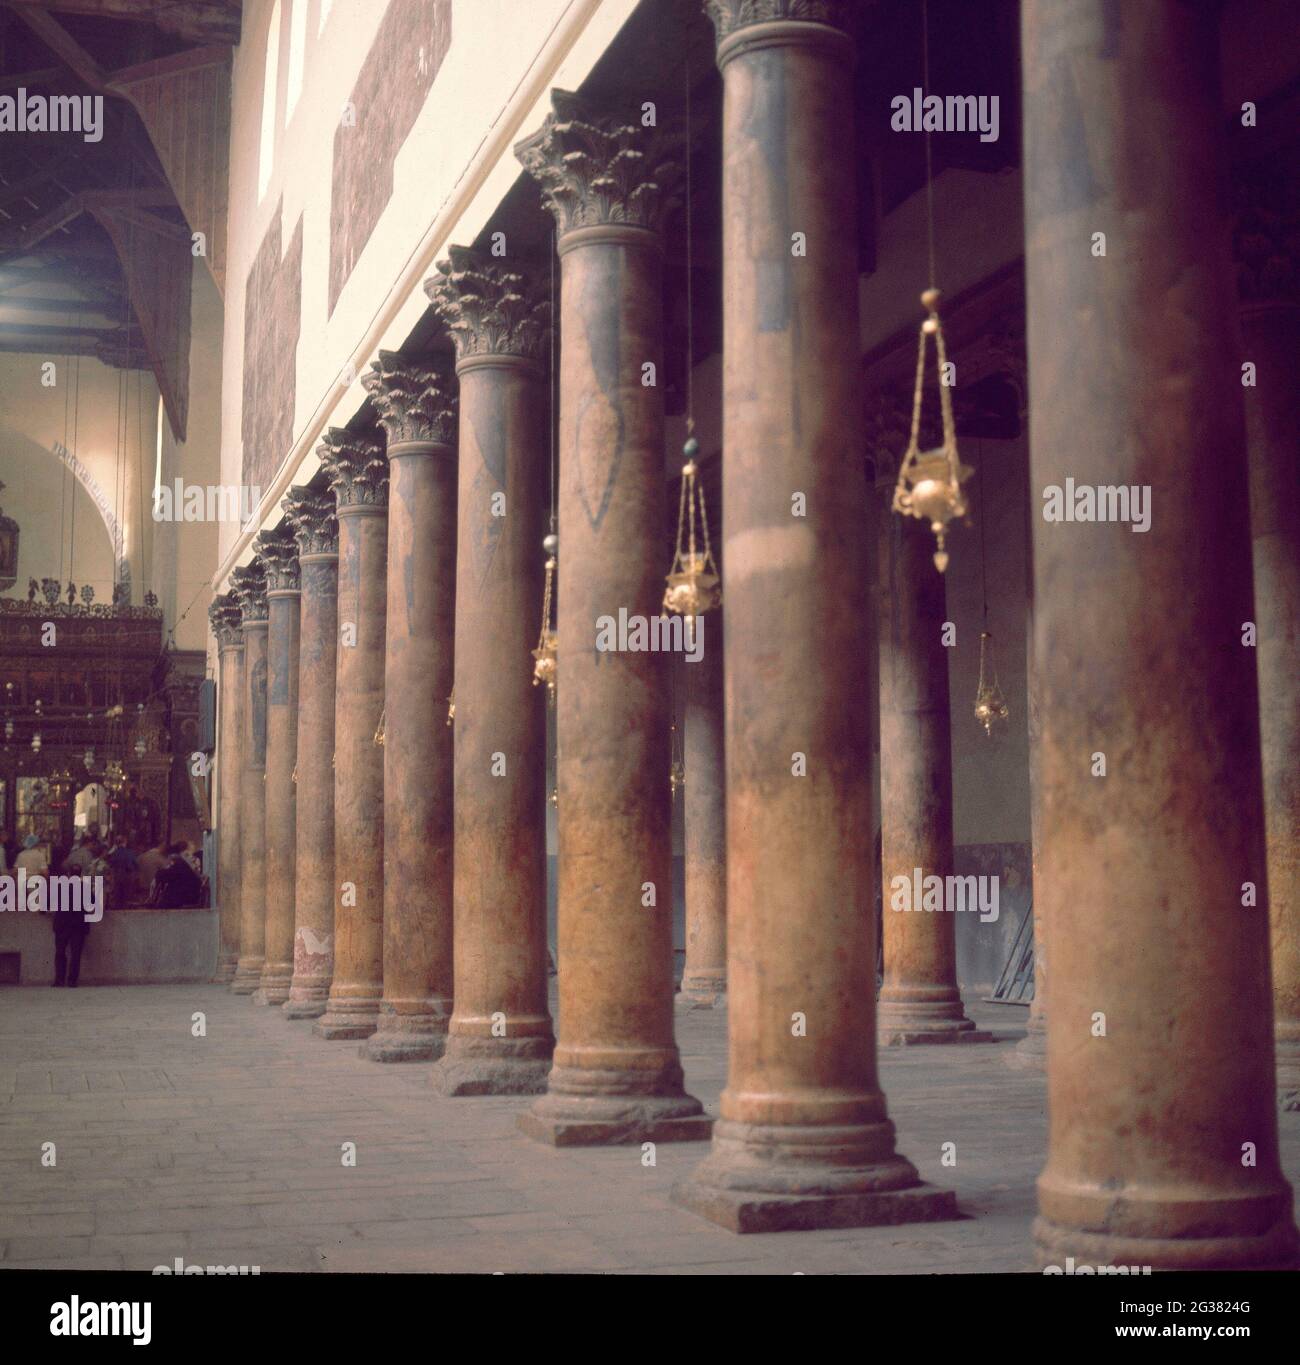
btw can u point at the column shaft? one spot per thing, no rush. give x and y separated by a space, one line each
281 756
501 1039
417 754
803 1140
1162 1146
357 987
704 816
617 1076
229 779
1272 343
252 821
313 945
919 1001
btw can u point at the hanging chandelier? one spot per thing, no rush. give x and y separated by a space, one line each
694 585
545 656
379 729
929 482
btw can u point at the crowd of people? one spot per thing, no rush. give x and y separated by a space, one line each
168 876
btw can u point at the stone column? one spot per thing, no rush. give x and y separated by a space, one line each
357 471
1268 282
704 818
1162 1145
312 515
416 402
919 1001
617 1076
248 585
803 1140
224 615
500 1038
279 552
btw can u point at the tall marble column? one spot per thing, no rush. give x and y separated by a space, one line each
803 1140
704 818
248 586
1268 282
279 553
500 1039
357 471
312 514
920 1001
617 1076
224 615
1162 1143
416 402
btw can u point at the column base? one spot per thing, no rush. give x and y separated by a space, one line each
1030 1053
703 990
227 965
388 1044
273 990
788 1177
750 1211
607 1107
901 1023
1063 1249
346 1020
248 976
474 1065
686 1001
304 1008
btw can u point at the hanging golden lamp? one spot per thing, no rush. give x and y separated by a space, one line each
929 482
294 777
694 585
990 704
379 729
451 707
555 796
545 656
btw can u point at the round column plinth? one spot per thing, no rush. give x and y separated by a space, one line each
248 976
494 1066
305 1008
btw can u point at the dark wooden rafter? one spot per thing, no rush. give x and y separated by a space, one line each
192 21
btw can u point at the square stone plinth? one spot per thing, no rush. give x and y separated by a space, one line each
590 1133
754 1211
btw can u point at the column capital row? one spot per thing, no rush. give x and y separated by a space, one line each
224 616
599 168
729 16
356 466
279 552
415 398
489 308
312 514
248 587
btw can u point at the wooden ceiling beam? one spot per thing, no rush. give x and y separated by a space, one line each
194 21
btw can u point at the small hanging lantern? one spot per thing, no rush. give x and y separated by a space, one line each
677 771
294 775
990 704
379 729
545 656
929 482
555 796
451 707
36 742
694 585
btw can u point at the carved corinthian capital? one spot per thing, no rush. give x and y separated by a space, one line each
248 588
415 399
279 551
730 15
223 613
313 516
598 168
488 309
356 467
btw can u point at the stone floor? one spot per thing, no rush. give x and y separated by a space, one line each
227 1149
